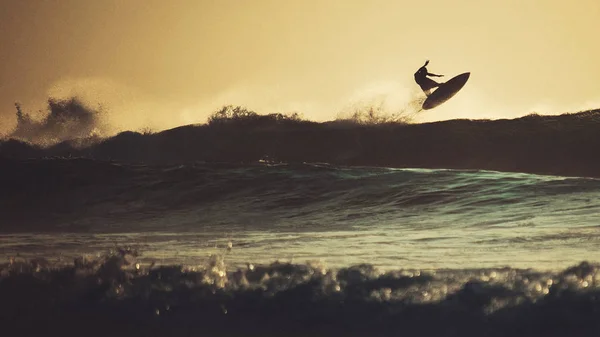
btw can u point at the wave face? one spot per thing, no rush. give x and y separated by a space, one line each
310 249
341 215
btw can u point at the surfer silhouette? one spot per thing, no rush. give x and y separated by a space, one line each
425 82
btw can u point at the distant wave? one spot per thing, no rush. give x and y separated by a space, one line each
556 145
73 121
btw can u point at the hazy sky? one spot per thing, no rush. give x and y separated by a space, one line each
163 63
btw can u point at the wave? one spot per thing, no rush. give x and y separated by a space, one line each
276 187
66 120
556 145
115 295
63 189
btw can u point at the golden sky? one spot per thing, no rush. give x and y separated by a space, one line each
164 63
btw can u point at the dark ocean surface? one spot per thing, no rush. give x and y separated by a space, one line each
94 248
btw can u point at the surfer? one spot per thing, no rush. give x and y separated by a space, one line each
423 81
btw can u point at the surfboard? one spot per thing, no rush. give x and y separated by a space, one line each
446 91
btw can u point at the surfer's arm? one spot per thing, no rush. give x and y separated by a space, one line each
435 75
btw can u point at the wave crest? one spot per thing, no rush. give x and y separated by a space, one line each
66 119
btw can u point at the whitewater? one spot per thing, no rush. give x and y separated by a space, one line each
269 248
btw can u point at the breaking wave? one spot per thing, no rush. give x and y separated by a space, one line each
65 120
115 295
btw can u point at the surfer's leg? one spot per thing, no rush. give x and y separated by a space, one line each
428 84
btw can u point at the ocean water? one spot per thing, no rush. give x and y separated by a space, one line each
267 249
